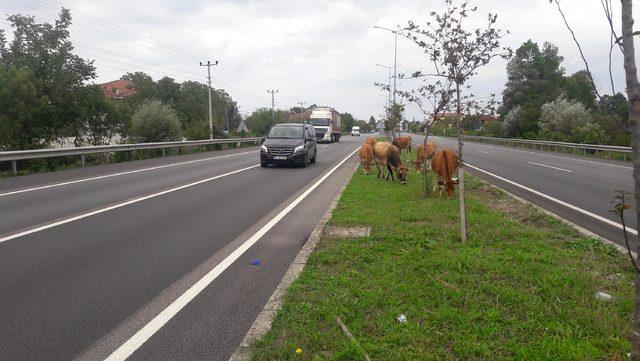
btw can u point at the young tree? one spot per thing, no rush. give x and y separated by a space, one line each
395 115
456 55
625 42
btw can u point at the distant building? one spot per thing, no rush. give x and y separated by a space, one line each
242 127
117 89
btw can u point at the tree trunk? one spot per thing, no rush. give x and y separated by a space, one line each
633 93
463 211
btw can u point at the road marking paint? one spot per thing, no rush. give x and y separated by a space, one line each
483 152
552 167
118 205
148 330
118 174
541 153
556 200
324 146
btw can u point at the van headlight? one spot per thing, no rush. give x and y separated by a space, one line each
299 149
264 148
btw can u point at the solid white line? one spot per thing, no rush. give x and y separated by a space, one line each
552 167
118 174
568 205
117 205
140 337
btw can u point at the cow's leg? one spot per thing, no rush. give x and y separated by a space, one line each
378 168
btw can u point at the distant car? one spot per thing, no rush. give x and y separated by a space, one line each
289 143
355 131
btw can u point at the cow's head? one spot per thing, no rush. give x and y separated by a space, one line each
402 173
366 166
449 187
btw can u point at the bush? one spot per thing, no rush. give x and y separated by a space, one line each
564 117
155 122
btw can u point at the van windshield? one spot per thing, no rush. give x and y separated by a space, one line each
322 122
285 132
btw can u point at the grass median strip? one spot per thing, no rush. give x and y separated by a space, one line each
522 287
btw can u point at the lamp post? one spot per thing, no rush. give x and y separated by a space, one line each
395 57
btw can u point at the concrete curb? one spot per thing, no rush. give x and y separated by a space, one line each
265 318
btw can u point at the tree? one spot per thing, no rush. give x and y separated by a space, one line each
20 104
155 122
57 75
395 115
456 54
627 47
260 121
578 87
347 121
563 120
534 77
372 122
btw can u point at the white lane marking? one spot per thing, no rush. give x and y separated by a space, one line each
118 205
324 146
556 200
148 330
552 167
508 148
118 174
483 152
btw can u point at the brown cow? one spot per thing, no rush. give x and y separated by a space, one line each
387 155
371 141
445 164
366 153
402 143
423 155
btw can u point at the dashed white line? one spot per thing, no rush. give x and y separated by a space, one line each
117 174
556 200
117 205
483 152
140 337
552 167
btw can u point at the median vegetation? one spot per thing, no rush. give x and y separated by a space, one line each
522 287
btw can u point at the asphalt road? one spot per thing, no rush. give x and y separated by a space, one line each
569 186
91 259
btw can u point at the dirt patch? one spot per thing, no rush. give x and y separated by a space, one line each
347 232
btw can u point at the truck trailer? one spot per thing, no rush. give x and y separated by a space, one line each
326 122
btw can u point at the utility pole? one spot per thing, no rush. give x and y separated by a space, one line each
273 103
302 104
226 116
209 65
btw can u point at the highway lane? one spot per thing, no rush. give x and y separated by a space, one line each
586 183
83 288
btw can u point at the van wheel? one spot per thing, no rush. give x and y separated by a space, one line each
305 161
264 164
315 154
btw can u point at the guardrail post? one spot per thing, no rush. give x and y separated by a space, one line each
108 156
14 168
163 152
238 145
82 160
624 156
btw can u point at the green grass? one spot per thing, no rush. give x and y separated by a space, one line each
522 287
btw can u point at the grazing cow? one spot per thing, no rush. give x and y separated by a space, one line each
423 155
402 143
366 153
371 141
445 163
387 155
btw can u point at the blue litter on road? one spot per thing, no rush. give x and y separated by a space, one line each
255 262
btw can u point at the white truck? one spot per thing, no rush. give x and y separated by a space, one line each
326 122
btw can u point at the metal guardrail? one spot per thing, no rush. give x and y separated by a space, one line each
16 155
551 145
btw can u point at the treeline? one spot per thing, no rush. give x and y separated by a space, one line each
541 102
47 96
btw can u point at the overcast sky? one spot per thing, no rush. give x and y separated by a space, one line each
321 52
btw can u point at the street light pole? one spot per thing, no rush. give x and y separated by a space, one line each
209 65
395 57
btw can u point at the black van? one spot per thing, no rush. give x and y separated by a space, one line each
289 143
